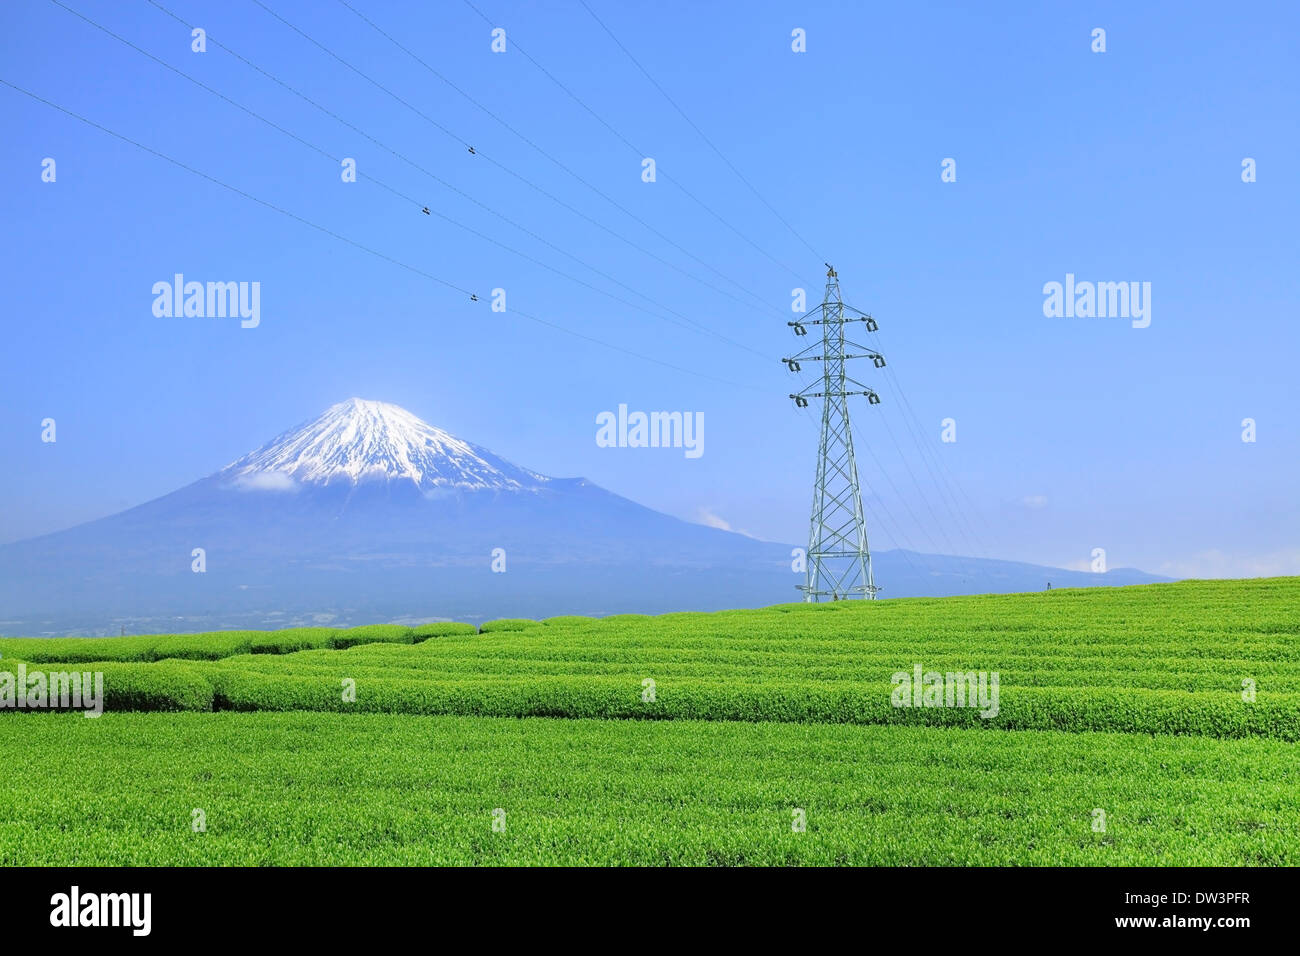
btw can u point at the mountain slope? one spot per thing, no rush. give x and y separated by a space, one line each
369 514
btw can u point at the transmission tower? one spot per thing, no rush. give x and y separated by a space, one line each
838 560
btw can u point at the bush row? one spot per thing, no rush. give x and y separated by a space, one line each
1222 714
174 685
215 645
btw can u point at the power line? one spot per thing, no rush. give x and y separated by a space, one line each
406 159
925 499
962 523
959 515
944 480
448 219
902 544
699 132
396 192
952 551
352 242
889 478
525 180
917 484
944 490
623 139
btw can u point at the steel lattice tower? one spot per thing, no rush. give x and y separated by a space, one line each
839 559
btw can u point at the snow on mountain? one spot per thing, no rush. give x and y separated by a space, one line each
360 441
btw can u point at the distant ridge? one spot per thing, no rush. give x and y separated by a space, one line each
368 514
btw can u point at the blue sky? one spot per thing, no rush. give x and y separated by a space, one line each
1072 433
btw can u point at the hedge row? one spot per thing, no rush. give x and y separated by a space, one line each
215 645
1020 708
126 686
171 685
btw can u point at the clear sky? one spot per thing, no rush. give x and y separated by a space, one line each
1072 433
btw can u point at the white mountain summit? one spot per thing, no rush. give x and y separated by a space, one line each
362 441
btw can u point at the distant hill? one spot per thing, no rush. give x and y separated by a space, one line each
369 514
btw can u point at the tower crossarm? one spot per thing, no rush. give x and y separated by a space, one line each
805 357
870 394
840 320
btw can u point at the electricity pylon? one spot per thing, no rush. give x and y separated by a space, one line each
838 559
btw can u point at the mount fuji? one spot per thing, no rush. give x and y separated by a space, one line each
358 441
368 514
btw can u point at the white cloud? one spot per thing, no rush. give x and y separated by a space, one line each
1035 501
266 481
707 517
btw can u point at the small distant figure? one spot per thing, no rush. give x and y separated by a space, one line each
1049 585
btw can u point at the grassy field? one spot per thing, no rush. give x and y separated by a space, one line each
310 788
1128 701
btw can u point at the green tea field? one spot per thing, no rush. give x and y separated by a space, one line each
1147 725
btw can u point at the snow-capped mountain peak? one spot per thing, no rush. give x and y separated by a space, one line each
360 441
